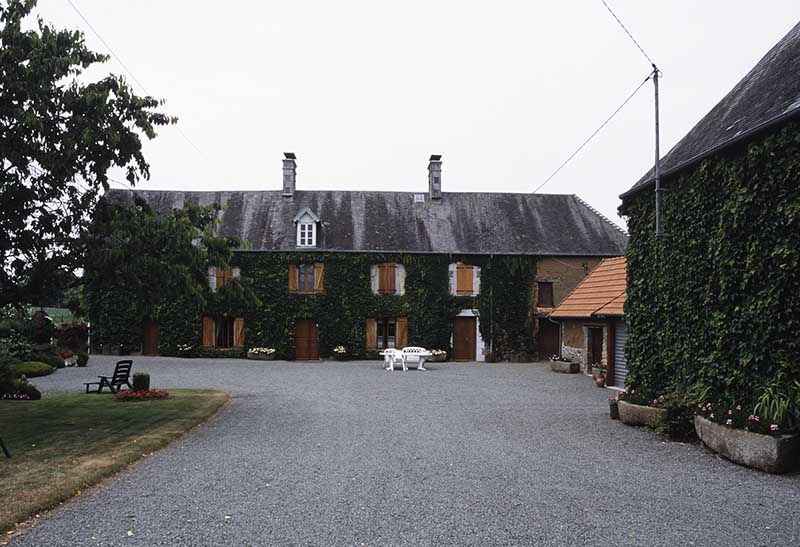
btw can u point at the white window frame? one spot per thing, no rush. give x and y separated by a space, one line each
307 234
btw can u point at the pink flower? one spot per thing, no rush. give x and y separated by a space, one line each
730 412
773 427
738 407
750 417
756 418
655 401
728 422
712 415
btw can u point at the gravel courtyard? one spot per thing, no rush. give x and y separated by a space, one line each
344 453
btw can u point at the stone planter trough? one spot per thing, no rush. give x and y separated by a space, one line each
773 454
436 358
564 367
638 415
261 356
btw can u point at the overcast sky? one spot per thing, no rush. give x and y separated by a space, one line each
363 92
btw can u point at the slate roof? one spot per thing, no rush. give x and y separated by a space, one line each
462 223
601 293
767 95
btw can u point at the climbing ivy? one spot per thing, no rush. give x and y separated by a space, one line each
716 303
347 302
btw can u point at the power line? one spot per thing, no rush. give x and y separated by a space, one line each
596 131
626 32
125 67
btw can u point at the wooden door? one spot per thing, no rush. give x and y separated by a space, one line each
151 338
547 339
595 346
464 338
305 340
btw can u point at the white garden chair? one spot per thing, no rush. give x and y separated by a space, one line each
391 357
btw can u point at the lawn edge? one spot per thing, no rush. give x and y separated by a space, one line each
22 527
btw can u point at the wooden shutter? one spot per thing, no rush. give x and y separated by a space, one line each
292 277
319 278
402 332
386 281
208 332
223 277
238 332
464 280
372 334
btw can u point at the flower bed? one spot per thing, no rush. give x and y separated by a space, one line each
437 356
636 410
564 366
774 453
141 395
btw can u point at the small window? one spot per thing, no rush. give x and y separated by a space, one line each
387 333
305 278
544 298
419 198
307 234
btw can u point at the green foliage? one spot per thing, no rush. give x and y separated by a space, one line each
83 358
779 403
140 265
343 309
141 381
59 135
52 359
717 302
32 369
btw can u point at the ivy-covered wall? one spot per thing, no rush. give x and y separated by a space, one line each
717 301
341 312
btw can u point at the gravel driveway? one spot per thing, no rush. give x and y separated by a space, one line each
334 453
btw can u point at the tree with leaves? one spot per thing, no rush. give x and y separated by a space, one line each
138 261
58 139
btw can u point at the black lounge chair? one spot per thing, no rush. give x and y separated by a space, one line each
121 377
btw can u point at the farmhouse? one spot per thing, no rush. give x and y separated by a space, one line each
472 273
592 318
715 301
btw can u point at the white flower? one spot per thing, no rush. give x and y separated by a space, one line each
339 350
260 351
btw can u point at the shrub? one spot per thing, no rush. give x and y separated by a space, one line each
32 369
16 344
21 390
52 359
141 381
72 336
83 358
8 372
140 395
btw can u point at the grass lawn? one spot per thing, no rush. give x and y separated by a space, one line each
64 443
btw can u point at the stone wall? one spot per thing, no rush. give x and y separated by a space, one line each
565 273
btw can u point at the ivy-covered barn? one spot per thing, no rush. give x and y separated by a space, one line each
471 273
715 302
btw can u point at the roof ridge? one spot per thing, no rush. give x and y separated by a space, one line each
601 215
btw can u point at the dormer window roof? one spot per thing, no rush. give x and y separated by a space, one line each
306 221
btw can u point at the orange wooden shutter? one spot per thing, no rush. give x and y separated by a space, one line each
208 332
402 332
292 277
372 334
319 278
464 279
238 332
391 286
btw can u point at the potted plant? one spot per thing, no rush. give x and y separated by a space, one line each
766 437
437 356
261 354
637 410
340 353
599 373
563 365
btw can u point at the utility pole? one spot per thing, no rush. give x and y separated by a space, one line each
658 157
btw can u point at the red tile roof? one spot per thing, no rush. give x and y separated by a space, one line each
601 293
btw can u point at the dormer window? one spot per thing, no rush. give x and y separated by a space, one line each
306 222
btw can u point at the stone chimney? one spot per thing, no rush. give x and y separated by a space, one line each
289 174
435 177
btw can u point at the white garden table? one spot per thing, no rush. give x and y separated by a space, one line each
406 355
